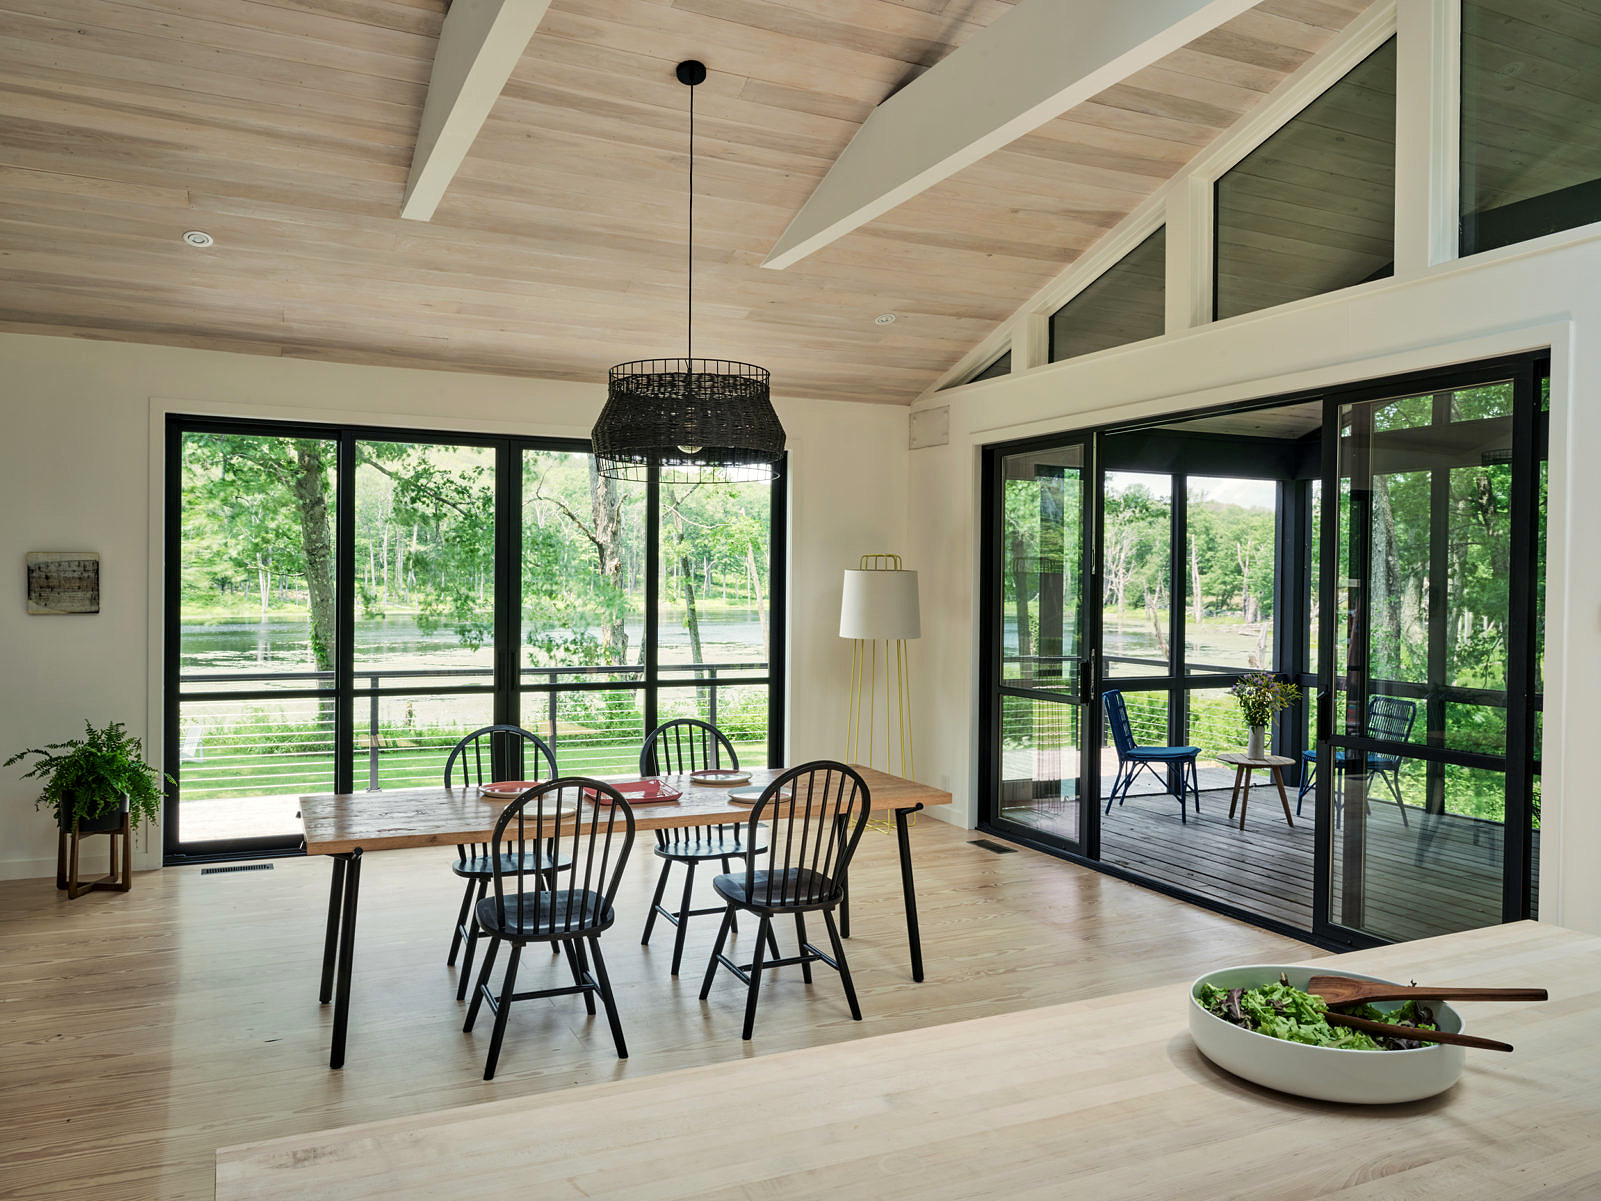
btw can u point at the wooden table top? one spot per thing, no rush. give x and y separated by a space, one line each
1104 1098
424 817
1241 759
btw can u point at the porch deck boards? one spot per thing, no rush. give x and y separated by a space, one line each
1267 867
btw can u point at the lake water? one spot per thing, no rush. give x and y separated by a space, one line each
235 644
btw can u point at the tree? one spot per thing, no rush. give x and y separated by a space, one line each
252 492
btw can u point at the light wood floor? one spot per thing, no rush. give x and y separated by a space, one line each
140 1032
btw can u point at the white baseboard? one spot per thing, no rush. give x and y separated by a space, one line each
45 868
28 869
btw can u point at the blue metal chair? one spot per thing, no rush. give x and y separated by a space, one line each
1389 718
1132 758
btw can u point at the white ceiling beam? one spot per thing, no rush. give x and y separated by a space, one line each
1032 64
480 44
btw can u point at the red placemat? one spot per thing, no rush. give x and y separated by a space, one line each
644 792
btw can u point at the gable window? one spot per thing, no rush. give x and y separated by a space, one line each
1312 209
1000 365
1531 94
1126 304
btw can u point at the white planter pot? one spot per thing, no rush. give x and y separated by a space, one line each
1256 746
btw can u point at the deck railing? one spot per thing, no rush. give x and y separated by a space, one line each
271 732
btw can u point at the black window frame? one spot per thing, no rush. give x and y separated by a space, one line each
508 686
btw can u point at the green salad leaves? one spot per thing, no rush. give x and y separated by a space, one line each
1279 1011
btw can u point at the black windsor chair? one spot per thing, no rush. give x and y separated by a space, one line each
816 814
473 762
681 746
594 827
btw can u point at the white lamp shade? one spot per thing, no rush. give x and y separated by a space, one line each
879 604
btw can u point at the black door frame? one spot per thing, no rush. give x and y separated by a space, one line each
507 687
1081 694
1520 762
1299 564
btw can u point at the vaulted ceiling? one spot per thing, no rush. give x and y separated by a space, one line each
284 128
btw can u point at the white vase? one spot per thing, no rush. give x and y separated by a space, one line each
1256 746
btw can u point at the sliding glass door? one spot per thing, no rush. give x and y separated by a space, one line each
1426 758
1041 633
342 605
1382 546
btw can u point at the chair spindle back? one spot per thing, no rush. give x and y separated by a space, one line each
683 745
565 815
812 835
472 762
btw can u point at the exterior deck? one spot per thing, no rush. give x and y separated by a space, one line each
1434 875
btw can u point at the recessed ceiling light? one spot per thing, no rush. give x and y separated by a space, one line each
197 237
884 319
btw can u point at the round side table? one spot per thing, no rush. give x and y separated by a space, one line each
1244 765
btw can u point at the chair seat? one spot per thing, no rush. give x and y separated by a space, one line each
792 889
710 845
545 914
476 866
1163 752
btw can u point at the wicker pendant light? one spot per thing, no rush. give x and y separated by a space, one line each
690 419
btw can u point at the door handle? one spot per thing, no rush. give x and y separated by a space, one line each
1325 716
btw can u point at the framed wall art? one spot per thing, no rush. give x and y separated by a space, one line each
63 581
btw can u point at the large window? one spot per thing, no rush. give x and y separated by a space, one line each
1128 303
1531 94
1312 209
344 605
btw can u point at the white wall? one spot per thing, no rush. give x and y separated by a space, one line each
1541 294
81 469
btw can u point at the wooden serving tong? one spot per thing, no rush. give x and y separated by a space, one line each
1342 990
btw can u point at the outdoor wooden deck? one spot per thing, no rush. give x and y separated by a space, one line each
1267 867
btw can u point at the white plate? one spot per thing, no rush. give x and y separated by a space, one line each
1323 1073
715 777
749 796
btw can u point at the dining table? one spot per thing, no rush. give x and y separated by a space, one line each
348 826
1103 1097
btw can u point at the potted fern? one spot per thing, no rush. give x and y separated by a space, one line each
91 782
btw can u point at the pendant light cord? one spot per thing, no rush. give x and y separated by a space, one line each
689 316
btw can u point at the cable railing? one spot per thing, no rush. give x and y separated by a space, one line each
235 740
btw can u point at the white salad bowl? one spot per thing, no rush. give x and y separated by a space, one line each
1323 1073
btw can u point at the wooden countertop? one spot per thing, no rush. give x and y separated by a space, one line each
1103 1098
440 816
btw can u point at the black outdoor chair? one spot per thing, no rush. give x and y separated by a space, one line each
594 827
674 747
817 813
1390 718
472 762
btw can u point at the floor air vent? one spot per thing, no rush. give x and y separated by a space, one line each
998 848
237 867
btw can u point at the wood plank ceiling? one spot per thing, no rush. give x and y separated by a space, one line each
284 128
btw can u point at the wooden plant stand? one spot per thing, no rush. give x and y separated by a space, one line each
67 860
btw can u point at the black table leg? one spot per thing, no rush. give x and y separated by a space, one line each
913 939
347 939
845 887
330 945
